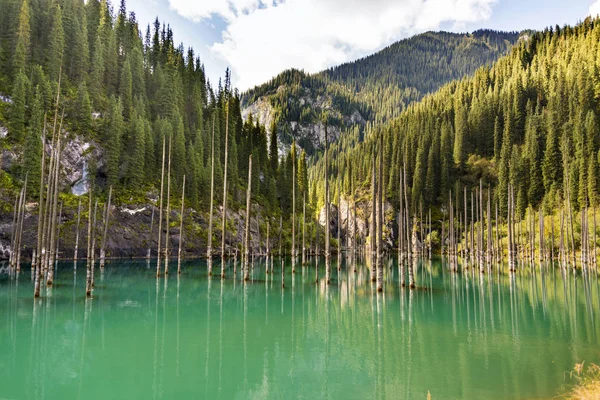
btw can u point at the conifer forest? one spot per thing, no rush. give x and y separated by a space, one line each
421 222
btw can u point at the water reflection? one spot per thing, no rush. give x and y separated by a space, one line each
500 334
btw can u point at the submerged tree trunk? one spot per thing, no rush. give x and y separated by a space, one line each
160 212
168 233
209 250
379 262
36 260
373 230
105 232
304 229
224 226
149 251
327 250
247 234
77 231
294 209
412 265
181 227
88 281
280 250
93 251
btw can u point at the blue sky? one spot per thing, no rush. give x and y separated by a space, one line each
259 38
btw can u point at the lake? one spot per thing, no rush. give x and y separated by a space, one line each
459 335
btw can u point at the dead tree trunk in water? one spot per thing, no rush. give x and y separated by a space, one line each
94 241
327 250
373 230
223 224
21 219
379 262
268 250
511 255
412 265
160 212
339 235
40 223
280 251
181 227
105 232
304 229
77 231
212 195
88 278
149 251
294 209
167 234
247 235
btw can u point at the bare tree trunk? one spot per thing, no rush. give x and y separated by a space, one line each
304 229
40 221
373 230
94 226
268 251
105 232
280 251
327 250
50 279
490 246
77 231
209 250
339 236
380 218
294 210
21 219
58 232
160 212
412 265
13 235
223 226
401 227
88 282
149 251
168 233
247 235
181 227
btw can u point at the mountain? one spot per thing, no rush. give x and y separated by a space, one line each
531 121
375 88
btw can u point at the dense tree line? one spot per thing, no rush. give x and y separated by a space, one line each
126 91
530 120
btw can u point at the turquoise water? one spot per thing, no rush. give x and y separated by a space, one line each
459 336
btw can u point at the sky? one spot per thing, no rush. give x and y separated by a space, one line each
257 39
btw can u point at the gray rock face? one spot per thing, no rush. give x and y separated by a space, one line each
75 159
311 132
363 215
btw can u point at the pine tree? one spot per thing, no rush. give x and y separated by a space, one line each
83 109
18 107
56 45
23 48
125 88
33 144
114 139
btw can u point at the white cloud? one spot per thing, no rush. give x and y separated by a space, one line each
595 8
262 39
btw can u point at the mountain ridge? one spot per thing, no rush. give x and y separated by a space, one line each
400 73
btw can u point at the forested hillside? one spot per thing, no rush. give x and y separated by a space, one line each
530 120
121 92
375 88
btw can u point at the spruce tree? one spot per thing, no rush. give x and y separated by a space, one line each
56 45
23 48
114 137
